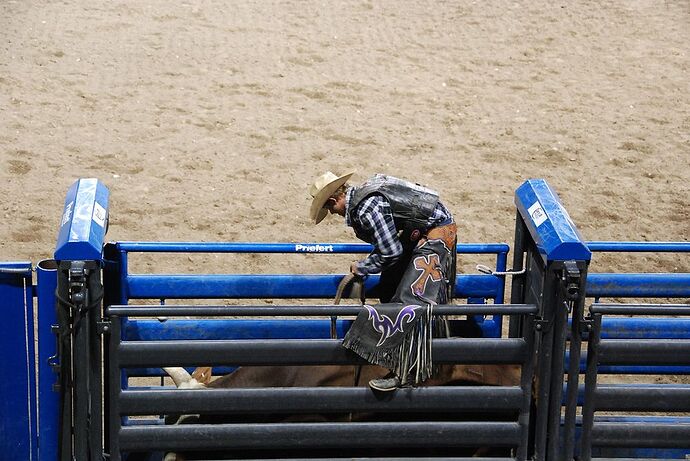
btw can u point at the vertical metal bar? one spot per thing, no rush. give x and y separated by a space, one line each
526 385
124 271
574 370
114 379
48 397
517 291
544 372
82 357
560 327
590 388
547 352
501 261
111 295
65 353
94 303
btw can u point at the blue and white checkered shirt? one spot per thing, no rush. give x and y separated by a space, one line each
373 221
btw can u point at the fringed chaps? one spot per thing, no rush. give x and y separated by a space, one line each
398 335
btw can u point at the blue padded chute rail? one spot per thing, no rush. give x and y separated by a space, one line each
242 286
549 224
84 222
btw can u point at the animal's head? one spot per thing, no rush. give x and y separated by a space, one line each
183 380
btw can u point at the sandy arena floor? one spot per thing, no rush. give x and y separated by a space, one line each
208 119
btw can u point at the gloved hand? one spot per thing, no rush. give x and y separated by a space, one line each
357 287
354 269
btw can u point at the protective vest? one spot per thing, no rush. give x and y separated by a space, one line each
412 205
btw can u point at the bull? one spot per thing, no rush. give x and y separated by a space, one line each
328 375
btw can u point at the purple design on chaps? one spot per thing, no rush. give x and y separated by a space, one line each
384 325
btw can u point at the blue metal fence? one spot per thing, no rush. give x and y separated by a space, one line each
18 439
475 287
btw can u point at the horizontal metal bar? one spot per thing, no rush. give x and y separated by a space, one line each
239 286
318 400
301 311
638 285
304 352
632 369
150 330
656 397
14 271
641 435
390 458
638 247
645 327
318 435
666 455
644 352
640 309
250 247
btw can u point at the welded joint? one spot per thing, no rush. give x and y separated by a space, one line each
541 324
103 327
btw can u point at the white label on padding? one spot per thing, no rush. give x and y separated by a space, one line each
537 214
99 214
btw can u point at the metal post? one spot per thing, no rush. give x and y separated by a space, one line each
76 278
517 294
114 421
590 388
545 364
48 390
64 316
94 310
79 295
560 327
575 292
527 375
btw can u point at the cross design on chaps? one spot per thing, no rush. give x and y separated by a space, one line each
430 266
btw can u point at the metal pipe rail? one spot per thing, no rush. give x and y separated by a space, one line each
639 247
633 398
319 435
286 286
395 458
318 400
299 248
477 288
638 285
301 311
651 397
304 352
640 309
511 402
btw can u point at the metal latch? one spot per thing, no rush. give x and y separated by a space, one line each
487 270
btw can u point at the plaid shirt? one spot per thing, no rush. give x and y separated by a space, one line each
373 221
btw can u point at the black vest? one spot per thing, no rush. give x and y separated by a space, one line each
412 205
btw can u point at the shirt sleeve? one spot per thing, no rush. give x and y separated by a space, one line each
377 219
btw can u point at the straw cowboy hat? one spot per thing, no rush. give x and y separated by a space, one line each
324 186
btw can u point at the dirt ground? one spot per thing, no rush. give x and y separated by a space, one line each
208 119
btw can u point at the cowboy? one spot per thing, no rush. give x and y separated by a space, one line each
414 240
